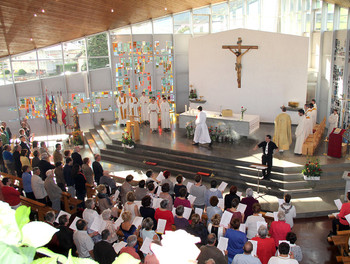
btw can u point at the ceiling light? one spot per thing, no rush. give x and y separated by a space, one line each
112 10
35 15
31 39
165 9
42 10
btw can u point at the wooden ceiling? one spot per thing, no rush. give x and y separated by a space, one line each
29 24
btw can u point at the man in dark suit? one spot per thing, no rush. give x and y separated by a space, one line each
103 250
76 157
24 144
98 170
267 147
17 158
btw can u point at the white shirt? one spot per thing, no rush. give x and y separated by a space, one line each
251 224
267 148
84 243
38 187
282 260
89 215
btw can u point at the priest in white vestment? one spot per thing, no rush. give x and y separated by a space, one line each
333 121
313 114
165 114
134 107
313 101
122 103
144 102
300 133
308 126
201 133
283 130
153 111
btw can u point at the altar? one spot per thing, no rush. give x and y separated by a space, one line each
245 127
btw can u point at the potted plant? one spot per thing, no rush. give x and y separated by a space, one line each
189 130
127 141
312 171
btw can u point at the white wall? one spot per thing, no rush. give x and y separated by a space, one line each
271 76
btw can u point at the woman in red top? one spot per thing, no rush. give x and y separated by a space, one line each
181 200
163 213
266 245
11 195
341 220
235 213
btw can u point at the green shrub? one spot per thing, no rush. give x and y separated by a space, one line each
22 72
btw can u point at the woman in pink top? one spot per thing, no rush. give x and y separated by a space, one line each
233 210
181 200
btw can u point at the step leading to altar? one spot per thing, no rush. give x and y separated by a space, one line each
244 127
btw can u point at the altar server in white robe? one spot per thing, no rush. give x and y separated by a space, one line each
144 102
153 111
134 106
122 103
313 101
300 133
313 113
165 114
333 121
201 133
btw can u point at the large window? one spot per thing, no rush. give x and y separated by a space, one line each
97 51
25 67
142 28
201 20
330 15
50 61
236 14
163 26
343 20
269 15
74 56
253 17
182 23
219 17
5 72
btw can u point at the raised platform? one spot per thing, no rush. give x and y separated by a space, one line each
230 163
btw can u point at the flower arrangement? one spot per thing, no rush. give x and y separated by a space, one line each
189 129
312 169
242 111
193 93
77 138
127 140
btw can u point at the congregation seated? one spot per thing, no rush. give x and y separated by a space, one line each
213 209
178 185
165 195
140 190
210 251
198 229
288 209
163 213
266 245
180 222
340 223
213 191
131 206
249 200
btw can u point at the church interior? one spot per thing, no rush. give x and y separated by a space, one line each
128 126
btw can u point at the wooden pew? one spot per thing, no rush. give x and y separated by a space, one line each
313 140
40 208
69 203
90 190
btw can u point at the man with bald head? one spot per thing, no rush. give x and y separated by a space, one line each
246 257
210 251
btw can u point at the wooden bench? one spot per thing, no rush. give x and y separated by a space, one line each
313 140
70 204
341 240
90 190
40 208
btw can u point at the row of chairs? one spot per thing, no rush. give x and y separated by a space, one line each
313 140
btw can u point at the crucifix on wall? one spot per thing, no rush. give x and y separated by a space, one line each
237 50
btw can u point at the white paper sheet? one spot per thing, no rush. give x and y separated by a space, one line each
255 247
347 217
118 222
160 177
174 211
187 212
226 219
338 203
62 213
199 211
222 186
159 190
116 194
280 201
241 208
275 218
156 202
73 224
221 203
269 214
222 244
118 246
242 228
138 203
137 221
191 198
146 245
260 223
239 194
161 226
98 225
188 186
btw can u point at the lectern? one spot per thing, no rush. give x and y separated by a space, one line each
133 127
335 143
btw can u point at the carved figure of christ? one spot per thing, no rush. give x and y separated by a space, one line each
237 50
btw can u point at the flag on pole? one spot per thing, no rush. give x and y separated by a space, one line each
48 109
59 110
63 109
53 110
